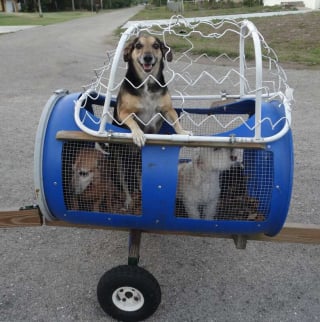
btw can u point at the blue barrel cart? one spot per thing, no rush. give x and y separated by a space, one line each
87 170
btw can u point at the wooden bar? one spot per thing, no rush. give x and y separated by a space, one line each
82 136
290 233
28 217
293 233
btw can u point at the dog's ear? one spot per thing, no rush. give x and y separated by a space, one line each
166 51
100 161
128 50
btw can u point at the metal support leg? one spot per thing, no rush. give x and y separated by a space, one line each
240 241
134 247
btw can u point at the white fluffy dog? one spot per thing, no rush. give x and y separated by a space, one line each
198 185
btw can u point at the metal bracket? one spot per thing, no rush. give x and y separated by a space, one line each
240 241
134 247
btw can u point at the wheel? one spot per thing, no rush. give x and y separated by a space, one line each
129 293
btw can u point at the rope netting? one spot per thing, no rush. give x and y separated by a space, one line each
215 63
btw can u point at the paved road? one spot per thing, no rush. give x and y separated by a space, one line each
50 274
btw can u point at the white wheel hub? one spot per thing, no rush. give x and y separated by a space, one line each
128 299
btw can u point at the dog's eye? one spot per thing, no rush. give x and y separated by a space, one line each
83 173
138 45
156 45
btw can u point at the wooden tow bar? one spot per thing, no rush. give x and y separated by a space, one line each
32 217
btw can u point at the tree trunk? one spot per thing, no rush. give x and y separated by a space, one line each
40 9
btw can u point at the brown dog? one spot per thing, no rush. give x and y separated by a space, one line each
143 92
92 188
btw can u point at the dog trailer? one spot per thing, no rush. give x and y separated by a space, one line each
229 90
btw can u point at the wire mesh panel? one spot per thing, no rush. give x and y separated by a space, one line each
102 178
224 184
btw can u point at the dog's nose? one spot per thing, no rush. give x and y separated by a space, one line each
148 58
233 158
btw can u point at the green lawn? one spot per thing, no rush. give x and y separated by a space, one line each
153 13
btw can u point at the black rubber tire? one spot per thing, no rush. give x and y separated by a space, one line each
146 293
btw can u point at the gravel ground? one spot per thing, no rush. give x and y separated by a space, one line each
50 274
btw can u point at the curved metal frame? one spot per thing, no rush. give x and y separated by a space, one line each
247 29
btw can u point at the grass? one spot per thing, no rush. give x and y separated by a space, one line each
152 13
20 19
295 38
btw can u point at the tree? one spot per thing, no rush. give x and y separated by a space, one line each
40 9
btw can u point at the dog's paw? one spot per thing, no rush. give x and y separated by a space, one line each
139 138
185 132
